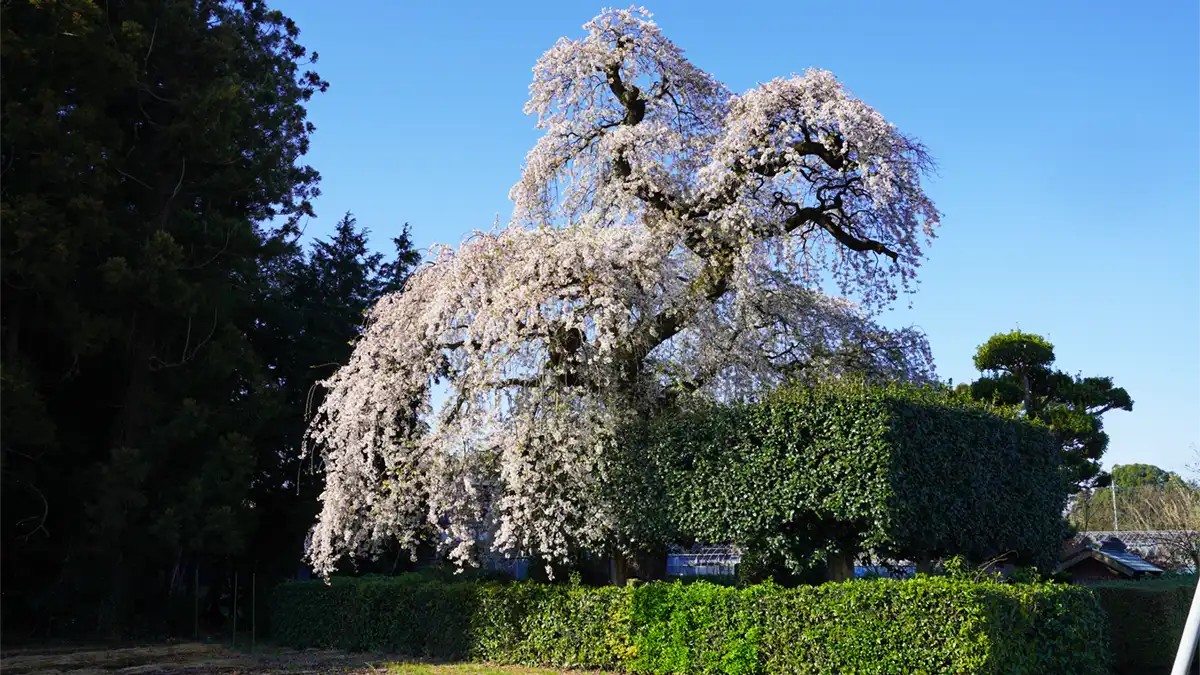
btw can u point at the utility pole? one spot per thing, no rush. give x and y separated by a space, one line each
1114 500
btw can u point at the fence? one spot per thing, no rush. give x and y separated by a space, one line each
704 561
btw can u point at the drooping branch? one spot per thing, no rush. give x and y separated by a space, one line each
667 213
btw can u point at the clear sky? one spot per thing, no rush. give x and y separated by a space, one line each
1066 135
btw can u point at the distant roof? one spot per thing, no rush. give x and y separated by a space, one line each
1138 538
1133 561
1112 552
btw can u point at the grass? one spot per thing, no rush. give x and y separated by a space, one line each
467 669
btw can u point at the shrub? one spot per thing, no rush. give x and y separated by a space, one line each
925 625
1145 621
908 472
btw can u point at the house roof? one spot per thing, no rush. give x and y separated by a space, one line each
1137 538
1112 552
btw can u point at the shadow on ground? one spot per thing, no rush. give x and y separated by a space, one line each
195 659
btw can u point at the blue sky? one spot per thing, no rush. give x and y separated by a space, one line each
1066 136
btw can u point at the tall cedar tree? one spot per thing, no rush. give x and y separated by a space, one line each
151 181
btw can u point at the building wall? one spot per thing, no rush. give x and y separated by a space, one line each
1089 570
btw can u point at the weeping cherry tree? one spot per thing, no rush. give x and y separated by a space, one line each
669 241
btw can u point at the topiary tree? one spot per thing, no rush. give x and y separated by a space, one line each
821 474
1018 369
1019 356
668 240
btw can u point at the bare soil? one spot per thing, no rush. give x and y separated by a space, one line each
189 658
197 659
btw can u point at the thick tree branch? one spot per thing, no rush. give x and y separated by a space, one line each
821 217
713 281
635 111
834 159
707 288
629 95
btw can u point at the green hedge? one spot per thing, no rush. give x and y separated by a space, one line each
926 625
1146 621
908 472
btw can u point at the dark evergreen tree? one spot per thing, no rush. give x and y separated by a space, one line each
152 179
312 310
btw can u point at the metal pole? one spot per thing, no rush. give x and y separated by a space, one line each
1085 498
235 609
196 599
253 610
1114 495
1187 643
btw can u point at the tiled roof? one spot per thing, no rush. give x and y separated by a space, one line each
1112 551
1138 538
1130 560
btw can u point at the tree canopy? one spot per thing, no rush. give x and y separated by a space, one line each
1138 475
1018 370
669 240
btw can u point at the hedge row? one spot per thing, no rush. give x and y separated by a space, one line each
926 625
907 472
1146 621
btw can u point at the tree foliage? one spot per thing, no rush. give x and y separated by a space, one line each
158 315
1092 509
1138 475
669 240
1018 370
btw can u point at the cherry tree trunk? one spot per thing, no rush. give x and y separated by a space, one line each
840 566
642 565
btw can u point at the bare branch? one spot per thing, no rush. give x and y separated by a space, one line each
822 218
158 364
135 179
41 519
153 34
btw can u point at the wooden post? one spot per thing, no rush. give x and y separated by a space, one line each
196 599
253 611
235 580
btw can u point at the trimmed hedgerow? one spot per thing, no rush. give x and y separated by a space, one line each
907 472
925 625
1145 621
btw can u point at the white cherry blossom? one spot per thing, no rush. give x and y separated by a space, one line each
669 240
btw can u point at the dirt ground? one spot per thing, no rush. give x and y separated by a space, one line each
197 659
